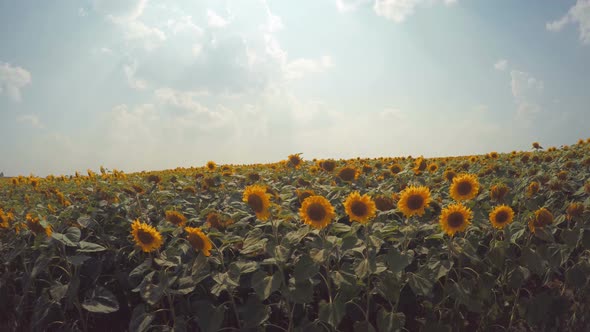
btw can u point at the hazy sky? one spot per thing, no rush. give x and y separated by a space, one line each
154 84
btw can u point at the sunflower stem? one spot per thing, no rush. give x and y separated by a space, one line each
368 291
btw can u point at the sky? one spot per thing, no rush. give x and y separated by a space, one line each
153 84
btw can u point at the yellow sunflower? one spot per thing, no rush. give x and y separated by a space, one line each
176 218
5 219
360 208
384 203
258 200
35 226
574 210
464 187
328 165
211 165
395 168
146 236
455 218
541 219
317 212
498 191
501 216
295 160
533 188
433 167
348 174
198 240
414 200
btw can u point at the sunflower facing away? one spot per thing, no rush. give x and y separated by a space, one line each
35 226
258 200
317 212
501 216
176 218
541 219
414 200
146 236
464 187
360 208
295 160
198 240
455 218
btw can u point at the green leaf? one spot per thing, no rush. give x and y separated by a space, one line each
533 261
140 320
517 277
305 268
243 267
332 313
85 220
576 277
70 238
90 247
397 261
58 291
363 326
101 300
419 284
78 259
390 321
254 312
136 275
264 285
40 265
184 286
209 317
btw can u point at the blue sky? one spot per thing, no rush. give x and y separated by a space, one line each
153 84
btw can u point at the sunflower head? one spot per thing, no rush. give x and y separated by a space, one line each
419 165
541 219
153 178
464 187
498 192
317 212
146 236
395 168
533 188
211 165
449 174
501 216
258 200
414 200
537 146
295 160
433 167
384 203
348 174
176 218
360 208
34 224
198 240
303 194
328 165
574 210
455 218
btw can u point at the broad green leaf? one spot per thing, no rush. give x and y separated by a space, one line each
100 300
332 313
390 321
264 285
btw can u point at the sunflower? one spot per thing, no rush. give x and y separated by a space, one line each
348 174
541 219
533 188
384 203
455 218
303 194
501 216
419 165
498 191
464 187
211 165
36 227
537 146
258 200
414 200
574 210
449 174
360 208
433 167
176 218
216 220
328 165
198 240
317 212
295 160
146 236
5 219
395 168
494 155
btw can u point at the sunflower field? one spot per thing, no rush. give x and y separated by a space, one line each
495 242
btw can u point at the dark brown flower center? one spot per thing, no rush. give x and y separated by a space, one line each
415 202
255 202
456 219
359 208
502 217
145 237
464 188
347 174
316 212
196 241
175 219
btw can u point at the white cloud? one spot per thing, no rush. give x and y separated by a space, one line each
134 30
578 14
82 12
526 91
184 23
501 64
12 80
298 68
214 20
128 10
132 80
399 10
344 6
32 119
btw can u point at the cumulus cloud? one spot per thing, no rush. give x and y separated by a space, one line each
132 80
214 20
501 64
578 14
120 9
298 68
349 5
12 80
399 10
